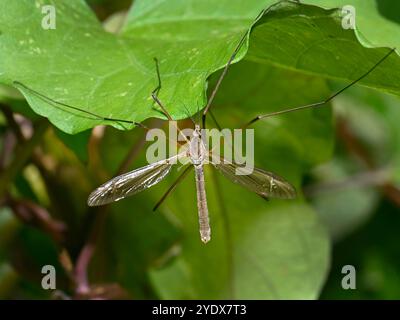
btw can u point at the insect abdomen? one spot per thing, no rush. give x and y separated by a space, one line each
204 223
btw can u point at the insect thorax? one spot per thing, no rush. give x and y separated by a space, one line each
197 148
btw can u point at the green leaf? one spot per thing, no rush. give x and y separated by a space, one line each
273 89
312 40
113 75
368 15
80 64
258 250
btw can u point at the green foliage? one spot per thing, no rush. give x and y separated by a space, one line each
369 15
320 46
259 249
113 75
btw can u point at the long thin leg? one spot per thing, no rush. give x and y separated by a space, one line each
172 187
95 116
88 113
225 70
321 103
222 76
157 89
157 100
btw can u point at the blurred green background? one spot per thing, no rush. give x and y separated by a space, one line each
343 160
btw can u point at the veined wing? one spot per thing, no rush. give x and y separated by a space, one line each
132 182
264 183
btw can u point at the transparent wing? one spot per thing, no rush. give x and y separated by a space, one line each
264 183
132 182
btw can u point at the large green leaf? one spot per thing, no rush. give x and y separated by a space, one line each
311 39
81 64
113 75
258 250
368 15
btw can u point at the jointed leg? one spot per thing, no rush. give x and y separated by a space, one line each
241 42
158 88
84 113
155 98
321 103
222 76
155 92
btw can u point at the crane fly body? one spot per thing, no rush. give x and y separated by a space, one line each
264 183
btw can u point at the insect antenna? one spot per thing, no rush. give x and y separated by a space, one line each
324 102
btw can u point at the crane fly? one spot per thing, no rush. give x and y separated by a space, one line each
263 183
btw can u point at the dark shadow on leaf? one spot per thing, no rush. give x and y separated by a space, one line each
390 9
